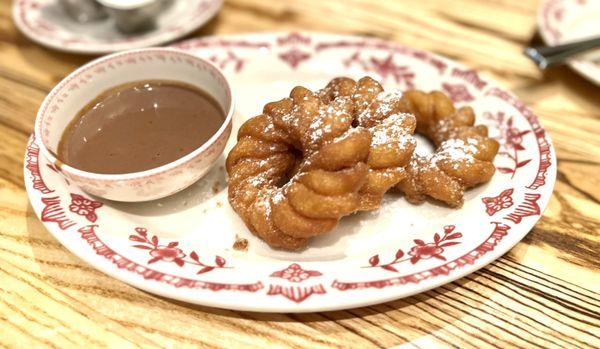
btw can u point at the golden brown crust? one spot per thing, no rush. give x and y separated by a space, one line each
335 182
346 162
464 153
313 158
292 223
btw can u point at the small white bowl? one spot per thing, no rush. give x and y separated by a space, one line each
83 85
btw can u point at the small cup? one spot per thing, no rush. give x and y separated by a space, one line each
133 16
84 84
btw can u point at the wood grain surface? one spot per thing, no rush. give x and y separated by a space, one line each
544 293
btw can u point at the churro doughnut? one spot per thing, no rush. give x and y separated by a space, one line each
307 160
391 130
463 156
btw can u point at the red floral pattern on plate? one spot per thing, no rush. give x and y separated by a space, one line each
53 212
470 78
84 207
297 294
170 253
32 165
295 273
552 12
88 234
420 250
230 59
500 230
511 142
497 203
294 38
457 92
298 291
384 67
294 57
529 207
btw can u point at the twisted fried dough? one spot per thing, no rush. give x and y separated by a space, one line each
464 153
306 161
391 131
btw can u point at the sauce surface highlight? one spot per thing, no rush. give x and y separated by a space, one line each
139 126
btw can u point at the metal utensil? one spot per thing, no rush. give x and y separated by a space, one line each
83 11
545 56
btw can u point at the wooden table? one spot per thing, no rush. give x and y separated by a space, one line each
543 293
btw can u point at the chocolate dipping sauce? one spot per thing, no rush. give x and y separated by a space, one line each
139 126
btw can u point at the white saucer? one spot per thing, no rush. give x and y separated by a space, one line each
45 22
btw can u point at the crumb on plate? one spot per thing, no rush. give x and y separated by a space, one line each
240 244
216 187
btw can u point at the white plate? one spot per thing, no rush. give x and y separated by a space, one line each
181 247
562 21
45 22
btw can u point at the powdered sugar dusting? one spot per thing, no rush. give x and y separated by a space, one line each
443 126
457 148
389 96
384 101
392 132
278 196
264 201
456 151
328 116
259 180
268 128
